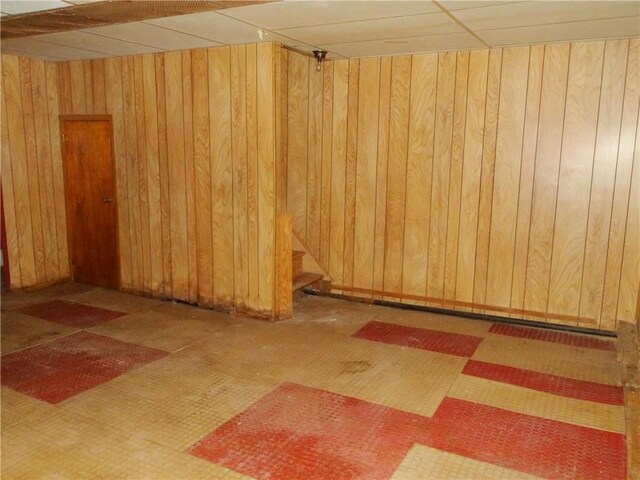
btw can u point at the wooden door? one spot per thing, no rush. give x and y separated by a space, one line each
87 150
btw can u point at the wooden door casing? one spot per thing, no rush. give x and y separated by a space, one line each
90 197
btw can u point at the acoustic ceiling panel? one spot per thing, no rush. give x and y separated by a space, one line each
300 14
379 29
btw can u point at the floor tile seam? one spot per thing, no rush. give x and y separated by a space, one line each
547 376
556 395
488 403
610 344
507 363
44 341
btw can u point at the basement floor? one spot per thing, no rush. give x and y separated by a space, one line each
101 384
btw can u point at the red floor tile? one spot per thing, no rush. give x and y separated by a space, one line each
71 314
297 432
68 366
567 387
432 340
565 338
542 447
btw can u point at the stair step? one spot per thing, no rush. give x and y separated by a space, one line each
305 278
296 262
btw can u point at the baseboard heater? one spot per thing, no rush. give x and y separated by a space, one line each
470 315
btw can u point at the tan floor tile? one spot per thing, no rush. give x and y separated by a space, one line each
428 463
562 360
539 404
70 446
20 331
312 313
175 401
404 378
17 408
114 300
157 330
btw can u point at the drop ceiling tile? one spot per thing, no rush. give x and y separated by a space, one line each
212 26
297 14
15 7
96 43
563 32
379 29
152 36
453 5
540 13
35 47
437 43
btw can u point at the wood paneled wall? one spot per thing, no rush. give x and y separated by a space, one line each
196 165
502 181
32 180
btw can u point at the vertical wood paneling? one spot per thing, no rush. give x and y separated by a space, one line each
325 193
177 175
527 168
187 102
397 173
439 205
9 203
338 168
113 76
499 180
630 276
142 180
252 237
621 198
239 94
366 172
266 116
574 184
77 86
221 176
297 127
350 171
418 179
455 174
197 138
53 106
314 159
98 86
545 185
380 232
32 170
152 155
504 211
603 177
471 169
202 172
12 88
487 175
45 169
165 199
131 162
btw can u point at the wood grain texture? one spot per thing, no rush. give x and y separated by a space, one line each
574 183
194 136
621 196
422 108
502 179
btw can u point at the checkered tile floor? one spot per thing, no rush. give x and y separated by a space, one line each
100 384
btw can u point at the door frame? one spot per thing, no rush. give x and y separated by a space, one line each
90 118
